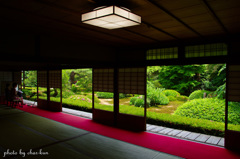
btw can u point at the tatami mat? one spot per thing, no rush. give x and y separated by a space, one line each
28 132
111 148
45 126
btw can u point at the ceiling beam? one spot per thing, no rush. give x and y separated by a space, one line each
133 32
173 16
215 17
152 26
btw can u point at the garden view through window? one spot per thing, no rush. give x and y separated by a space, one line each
188 97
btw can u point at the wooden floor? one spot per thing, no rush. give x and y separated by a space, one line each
186 135
22 133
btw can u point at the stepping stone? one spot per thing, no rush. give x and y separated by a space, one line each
148 125
221 142
151 127
165 131
159 128
183 134
192 136
202 138
213 140
174 132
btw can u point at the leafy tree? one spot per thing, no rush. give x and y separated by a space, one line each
77 79
84 79
30 78
221 90
182 78
215 76
65 80
152 75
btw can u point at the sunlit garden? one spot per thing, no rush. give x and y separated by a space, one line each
187 97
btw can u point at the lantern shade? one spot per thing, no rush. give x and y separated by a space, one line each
112 17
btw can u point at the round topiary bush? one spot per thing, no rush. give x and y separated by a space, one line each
210 109
171 92
198 94
132 100
139 102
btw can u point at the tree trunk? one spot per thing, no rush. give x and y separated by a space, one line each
71 79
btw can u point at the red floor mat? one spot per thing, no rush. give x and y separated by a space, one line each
178 147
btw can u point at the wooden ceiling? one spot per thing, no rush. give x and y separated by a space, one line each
163 21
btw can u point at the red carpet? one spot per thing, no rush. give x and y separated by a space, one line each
181 148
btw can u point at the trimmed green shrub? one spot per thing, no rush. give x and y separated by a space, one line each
105 95
162 100
171 98
211 109
198 94
108 95
171 92
28 93
139 102
67 93
121 95
132 100
182 98
156 96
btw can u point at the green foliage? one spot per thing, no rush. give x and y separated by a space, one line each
156 96
108 95
184 79
162 99
209 108
83 79
105 95
121 95
139 102
198 94
65 83
153 72
132 100
215 76
220 92
30 78
74 88
171 98
67 93
234 113
96 100
182 98
170 92
28 93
